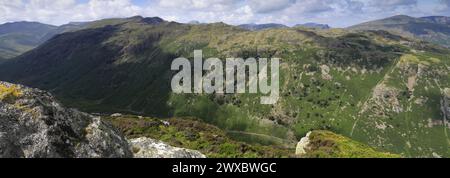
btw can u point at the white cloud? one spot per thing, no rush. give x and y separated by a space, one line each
230 11
390 3
446 5
269 5
110 8
206 5
447 2
312 6
64 11
334 12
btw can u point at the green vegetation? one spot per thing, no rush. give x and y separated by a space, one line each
193 134
325 144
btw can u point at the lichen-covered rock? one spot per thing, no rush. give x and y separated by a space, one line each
34 125
303 145
326 144
387 98
149 148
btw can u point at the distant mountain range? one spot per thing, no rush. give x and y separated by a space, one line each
194 22
435 29
314 25
18 37
256 27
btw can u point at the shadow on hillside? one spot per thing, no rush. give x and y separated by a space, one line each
87 71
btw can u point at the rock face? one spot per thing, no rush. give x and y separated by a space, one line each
149 148
303 145
446 104
326 144
34 125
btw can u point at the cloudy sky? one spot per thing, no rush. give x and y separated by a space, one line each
337 13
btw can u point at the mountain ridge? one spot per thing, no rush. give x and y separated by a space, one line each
435 29
314 25
18 37
256 27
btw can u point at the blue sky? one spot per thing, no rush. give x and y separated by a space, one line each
337 13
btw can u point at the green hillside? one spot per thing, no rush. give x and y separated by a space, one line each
380 89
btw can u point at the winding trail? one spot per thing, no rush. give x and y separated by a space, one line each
285 142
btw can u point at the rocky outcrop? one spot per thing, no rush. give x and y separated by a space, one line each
326 144
149 148
303 145
387 98
446 104
384 100
325 70
34 125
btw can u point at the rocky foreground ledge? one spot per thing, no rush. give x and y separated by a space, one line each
34 125
326 144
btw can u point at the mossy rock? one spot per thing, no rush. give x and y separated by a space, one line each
326 144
